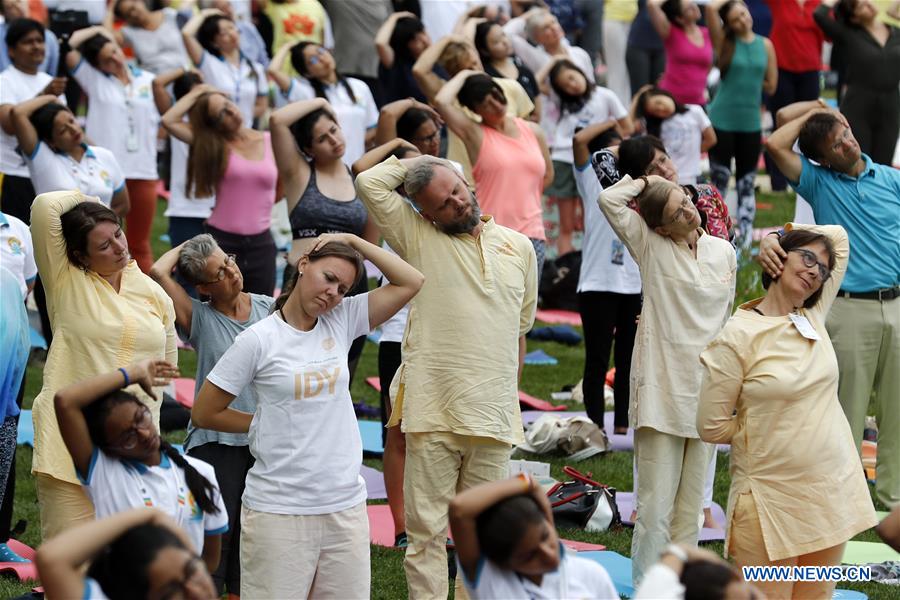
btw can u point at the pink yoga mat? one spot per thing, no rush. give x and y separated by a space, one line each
553 316
23 571
184 392
381 530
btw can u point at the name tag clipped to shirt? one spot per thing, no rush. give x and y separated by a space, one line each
804 326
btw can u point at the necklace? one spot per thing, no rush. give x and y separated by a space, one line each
757 311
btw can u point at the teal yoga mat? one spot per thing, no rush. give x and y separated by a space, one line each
25 433
370 431
618 567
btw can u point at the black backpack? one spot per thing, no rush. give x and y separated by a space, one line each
559 282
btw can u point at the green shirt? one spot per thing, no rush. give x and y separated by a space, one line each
736 105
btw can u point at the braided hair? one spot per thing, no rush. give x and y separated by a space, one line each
96 415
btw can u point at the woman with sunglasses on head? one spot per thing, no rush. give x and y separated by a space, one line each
688 280
138 553
350 99
122 118
235 163
214 44
211 327
770 390
105 313
304 431
123 462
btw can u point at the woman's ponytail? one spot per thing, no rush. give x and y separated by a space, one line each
201 488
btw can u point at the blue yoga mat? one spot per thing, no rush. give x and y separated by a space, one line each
848 595
37 340
371 436
25 433
618 567
539 357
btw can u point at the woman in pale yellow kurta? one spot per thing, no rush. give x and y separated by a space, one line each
105 313
688 278
797 488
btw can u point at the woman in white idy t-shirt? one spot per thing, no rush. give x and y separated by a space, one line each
304 500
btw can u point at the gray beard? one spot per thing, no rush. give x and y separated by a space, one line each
465 225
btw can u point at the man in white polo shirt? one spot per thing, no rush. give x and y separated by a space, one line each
19 82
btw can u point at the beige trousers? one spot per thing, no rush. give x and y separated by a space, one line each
305 556
671 477
748 549
62 505
438 466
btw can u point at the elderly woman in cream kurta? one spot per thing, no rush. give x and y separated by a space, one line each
797 488
688 278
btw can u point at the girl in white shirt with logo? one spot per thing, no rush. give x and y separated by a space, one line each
304 500
123 462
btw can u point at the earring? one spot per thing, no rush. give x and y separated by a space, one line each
299 274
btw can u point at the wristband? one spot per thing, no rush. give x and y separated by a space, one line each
125 375
779 233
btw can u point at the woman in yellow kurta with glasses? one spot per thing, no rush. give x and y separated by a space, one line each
105 314
770 390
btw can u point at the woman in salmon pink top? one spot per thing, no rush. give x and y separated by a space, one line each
510 159
236 164
689 51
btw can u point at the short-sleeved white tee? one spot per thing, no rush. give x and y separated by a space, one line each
122 118
179 204
304 435
560 128
243 83
97 174
354 117
606 265
115 485
17 250
17 87
575 577
392 330
682 135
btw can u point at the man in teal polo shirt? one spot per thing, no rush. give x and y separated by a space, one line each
846 188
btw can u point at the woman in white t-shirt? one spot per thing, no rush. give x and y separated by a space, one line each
507 546
571 100
304 431
685 129
122 118
214 44
58 158
350 99
123 462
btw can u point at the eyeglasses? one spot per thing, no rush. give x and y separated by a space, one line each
221 273
179 588
142 421
317 57
810 260
428 138
682 208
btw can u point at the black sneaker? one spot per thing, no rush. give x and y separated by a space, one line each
400 540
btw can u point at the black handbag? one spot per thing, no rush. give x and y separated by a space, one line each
583 503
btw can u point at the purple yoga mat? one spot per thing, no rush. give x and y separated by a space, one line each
625 502
616 442
374 483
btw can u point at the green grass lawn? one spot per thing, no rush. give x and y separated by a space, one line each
388 580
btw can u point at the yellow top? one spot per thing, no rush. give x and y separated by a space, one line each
791 446
883 6
460 348
95 329
687 301
620 10
296 21
518 104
